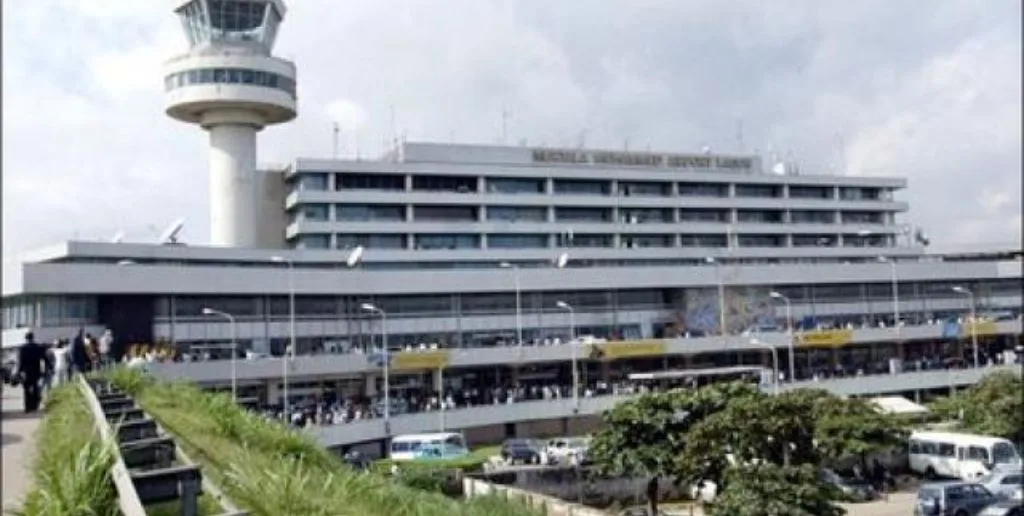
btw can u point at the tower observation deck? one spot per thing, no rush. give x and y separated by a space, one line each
230 84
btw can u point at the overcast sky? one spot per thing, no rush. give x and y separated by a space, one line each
925 89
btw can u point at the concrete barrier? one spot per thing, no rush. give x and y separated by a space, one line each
548 505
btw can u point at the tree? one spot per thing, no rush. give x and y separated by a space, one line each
995 406
768 489
794 429
645 436
855 428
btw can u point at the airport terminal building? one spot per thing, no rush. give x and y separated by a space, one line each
666 261
454 234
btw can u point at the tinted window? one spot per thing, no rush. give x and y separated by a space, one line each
1012 480
956 493
977 453
947 450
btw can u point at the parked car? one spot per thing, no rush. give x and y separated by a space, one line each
565 450
1004 508
357 460
852 489
952 499
526 451
1005 482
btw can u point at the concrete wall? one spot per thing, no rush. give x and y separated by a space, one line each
548 505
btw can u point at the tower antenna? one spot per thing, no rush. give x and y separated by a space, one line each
739 135
394 126
841 143
504 124
337 132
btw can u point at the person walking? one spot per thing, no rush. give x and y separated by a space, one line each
106 348
32 364
79 353
61 365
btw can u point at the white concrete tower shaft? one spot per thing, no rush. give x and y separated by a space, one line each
230 85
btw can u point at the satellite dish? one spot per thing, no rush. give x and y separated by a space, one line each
170 235
355 256
779 168
118 237
705 150
562 260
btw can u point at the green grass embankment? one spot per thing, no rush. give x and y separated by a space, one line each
271 470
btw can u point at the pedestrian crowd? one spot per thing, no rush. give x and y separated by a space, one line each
41 366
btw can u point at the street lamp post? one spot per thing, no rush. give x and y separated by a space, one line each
775 362
789 330
234 348
291 331
367 307
895 292
572 346
722 326
974 321
519 304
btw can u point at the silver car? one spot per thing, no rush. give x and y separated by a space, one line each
952 499
1005 482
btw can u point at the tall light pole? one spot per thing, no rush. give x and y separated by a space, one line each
519 304
367 307
895 291
722 326
234 348
572 346
291 330
974 321
775 361
789 330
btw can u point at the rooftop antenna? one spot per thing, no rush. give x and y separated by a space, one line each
841 143
504 124
625 145
169 236
337 132
581 139
394 126
739 135
118 237
357 146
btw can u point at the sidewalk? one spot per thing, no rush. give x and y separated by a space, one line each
17 431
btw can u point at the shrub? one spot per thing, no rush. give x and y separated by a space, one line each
273 470
72 465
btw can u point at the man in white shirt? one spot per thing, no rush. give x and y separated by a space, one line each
106 341
61 364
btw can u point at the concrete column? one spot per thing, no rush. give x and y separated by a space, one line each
273 393
371 384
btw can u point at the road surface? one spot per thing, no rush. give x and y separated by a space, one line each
18 447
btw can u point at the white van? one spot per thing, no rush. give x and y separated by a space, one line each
963 456
407 447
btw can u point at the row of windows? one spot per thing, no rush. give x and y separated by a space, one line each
427 241
464 213
534 186
278 306
232 76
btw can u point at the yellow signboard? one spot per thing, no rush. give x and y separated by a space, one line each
825 338
627 349
980 328
412 360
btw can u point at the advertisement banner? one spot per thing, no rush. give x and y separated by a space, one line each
419 360
627 349
825 338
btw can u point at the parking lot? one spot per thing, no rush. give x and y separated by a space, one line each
898 504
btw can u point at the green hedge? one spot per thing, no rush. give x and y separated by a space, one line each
72 465
272 470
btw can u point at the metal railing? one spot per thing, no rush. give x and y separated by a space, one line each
149 467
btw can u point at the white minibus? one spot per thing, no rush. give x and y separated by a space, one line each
963 456
407 447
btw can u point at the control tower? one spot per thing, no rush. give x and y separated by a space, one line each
231 85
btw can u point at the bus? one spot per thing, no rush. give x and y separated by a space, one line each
408 446
962 456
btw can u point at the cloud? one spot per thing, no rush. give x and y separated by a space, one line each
932 95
